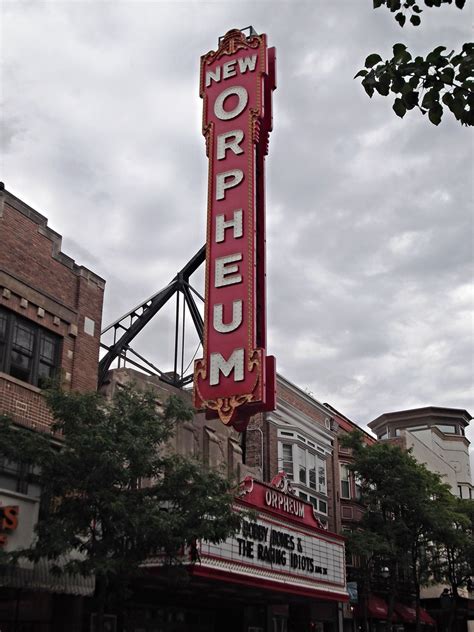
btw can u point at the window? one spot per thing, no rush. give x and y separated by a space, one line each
27 351
447 428
301 465
318 504
322 486
345 482
287 459
14 476
460 491
311 459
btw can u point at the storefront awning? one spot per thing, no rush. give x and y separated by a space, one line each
376 608
40 577
426 618
408 614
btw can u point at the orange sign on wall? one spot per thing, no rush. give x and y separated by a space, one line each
8 521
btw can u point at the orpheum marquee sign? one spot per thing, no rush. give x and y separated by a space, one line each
235 378
284 548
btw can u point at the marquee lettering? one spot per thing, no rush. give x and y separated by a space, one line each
276 548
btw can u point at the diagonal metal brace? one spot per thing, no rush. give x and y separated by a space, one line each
142 314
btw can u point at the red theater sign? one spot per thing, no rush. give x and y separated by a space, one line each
235 378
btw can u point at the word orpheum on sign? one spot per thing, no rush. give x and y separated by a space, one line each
235 378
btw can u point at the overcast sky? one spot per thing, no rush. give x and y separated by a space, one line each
370 250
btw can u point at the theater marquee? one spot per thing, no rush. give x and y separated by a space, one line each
235 378
283 548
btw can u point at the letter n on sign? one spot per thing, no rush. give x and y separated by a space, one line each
235 378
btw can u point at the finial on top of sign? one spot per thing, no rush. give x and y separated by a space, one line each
233 41
250 29
283 483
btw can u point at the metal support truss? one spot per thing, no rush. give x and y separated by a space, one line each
134 321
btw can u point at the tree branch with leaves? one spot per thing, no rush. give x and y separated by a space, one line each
430 84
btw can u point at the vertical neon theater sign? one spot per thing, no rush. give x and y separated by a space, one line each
235 378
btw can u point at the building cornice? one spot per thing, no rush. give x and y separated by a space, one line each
422 416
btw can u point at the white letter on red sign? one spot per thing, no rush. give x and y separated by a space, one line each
237 176
234 363
223 270
218 313
229 69
243 96
235 223
235 137
213 75
247 63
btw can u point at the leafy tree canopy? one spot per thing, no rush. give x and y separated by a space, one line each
410 516
113 493
441 79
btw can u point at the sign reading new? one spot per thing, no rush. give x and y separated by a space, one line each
235 378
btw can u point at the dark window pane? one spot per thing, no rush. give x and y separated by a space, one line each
47 349
45 370
23 338
3 326
345 489
303 475
20 366
45 374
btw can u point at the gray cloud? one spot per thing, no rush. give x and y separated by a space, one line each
369 217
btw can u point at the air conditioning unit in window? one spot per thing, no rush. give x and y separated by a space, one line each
321 488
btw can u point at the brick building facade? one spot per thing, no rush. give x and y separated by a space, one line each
50 315
50 322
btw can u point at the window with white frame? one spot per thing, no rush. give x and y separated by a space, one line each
311 459
287 459
302 470
345 482
303 466
319 505
322 480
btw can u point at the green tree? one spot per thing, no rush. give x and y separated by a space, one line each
405 506
441 79
454 560
114 494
